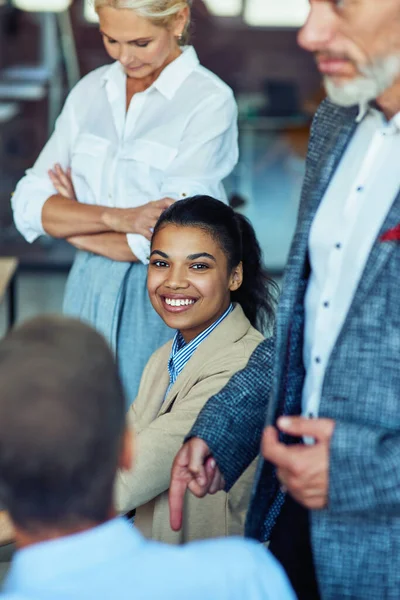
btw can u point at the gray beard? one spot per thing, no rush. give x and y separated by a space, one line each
375 79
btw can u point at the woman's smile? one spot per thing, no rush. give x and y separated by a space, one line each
177 303
188 279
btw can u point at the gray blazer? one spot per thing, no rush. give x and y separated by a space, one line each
356 540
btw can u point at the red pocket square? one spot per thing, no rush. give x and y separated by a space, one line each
392 235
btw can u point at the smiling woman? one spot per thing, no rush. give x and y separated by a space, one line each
190 285
204 253
134 136
206 280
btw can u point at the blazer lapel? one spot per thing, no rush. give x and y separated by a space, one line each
172 394
325 153
151 396
230 330
378 258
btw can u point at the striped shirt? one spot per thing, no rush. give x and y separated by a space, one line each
182 352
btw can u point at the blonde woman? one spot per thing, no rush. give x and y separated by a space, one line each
134 136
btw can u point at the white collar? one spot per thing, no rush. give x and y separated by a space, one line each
170 78
396 120
366 108
363 109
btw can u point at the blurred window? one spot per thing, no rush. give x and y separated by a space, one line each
42 5
225 8
272 13
263 13
89 12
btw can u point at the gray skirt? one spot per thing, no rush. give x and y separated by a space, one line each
112 297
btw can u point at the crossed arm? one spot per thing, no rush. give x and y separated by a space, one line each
206 155
98 229
45 202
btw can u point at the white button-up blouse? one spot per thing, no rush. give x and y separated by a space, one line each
177 139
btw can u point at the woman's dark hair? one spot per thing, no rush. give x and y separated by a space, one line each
258 293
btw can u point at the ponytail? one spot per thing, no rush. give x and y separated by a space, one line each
258 293
234 233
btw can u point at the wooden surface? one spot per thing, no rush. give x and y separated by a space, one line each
8 266
6 531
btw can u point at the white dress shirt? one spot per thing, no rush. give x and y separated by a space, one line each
177 139
345 227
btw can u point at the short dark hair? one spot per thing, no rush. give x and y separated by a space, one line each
62 419
236 236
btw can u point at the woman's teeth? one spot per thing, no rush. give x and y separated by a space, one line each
178 302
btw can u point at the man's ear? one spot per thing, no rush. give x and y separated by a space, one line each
127 451
236 278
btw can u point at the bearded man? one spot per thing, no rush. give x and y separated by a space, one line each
327 492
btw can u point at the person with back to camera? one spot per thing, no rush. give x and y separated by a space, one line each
206 280
59 383
134 136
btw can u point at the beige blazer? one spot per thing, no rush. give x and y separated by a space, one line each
161 424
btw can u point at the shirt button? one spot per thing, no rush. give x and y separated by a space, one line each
338 246
318 360
326 304
360 188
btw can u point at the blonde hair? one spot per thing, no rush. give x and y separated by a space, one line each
158 12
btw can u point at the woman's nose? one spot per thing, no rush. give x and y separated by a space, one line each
319 29
176 279
125 56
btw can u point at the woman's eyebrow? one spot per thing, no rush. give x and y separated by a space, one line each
106 34
160 253
200 255
144 39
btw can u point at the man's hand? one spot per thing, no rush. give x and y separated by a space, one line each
136 220
62 181
195 469
302 470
